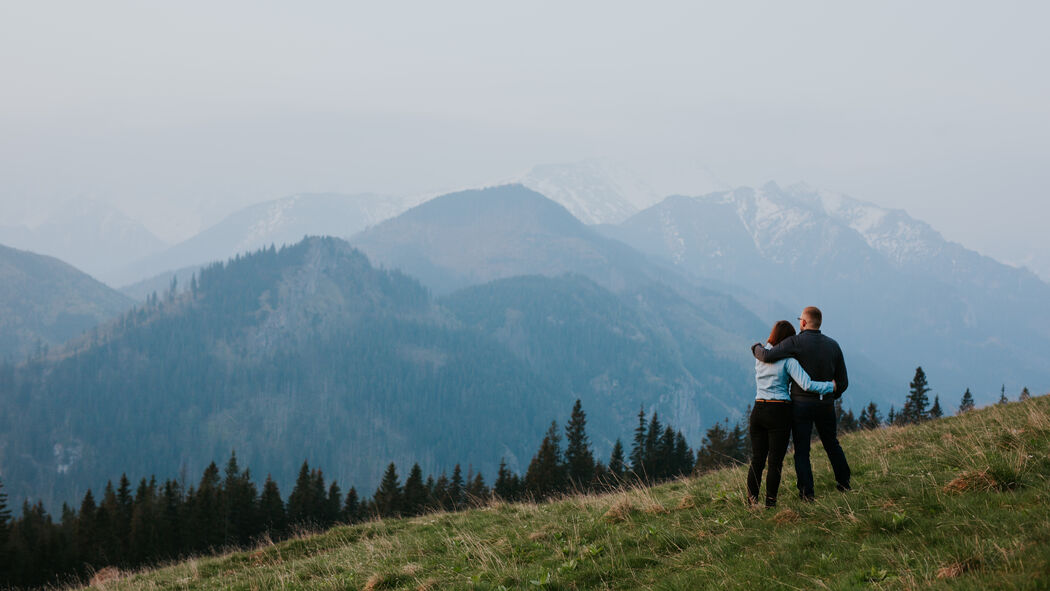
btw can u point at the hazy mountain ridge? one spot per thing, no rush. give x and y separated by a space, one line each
46 302
891 287
94 237
279 222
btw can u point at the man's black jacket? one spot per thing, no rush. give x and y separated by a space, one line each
819 355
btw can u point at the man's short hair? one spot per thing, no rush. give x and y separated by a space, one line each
813 316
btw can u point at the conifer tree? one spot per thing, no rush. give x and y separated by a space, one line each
477 492
271 510
683 456
456 489
240 504
333 505
967 402
301 503
638 447
415 498
208 524
914 410
578 456
891 418
617 469
5 530
503 487
869 417
935 411
85 533
1002 395
388 498
720 447
652 441
546 474
351 507
440 497
1025 394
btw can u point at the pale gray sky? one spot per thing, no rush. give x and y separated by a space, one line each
179 112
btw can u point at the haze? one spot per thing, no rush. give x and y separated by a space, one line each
180 113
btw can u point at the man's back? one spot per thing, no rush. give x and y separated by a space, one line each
817 353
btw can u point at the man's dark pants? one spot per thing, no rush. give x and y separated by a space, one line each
822 414
770 427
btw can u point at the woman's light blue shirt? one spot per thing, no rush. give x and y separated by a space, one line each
774 379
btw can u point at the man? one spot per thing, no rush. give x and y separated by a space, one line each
822 359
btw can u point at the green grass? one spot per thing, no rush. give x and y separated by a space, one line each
962 502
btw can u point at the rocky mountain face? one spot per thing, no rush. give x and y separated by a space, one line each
45 303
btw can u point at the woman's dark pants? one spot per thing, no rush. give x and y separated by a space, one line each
770 427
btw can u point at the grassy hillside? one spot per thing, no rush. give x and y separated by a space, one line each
962 502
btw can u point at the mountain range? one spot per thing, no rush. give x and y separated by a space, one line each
310 352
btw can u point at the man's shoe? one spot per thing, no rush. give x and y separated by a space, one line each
807 498
843 487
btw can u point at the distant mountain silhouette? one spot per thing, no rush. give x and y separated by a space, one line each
45 302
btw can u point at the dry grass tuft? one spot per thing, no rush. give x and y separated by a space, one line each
106 575
950 571
786 516
657 509
427 585
972 480
687 502
373 582
621 511
537 535
411 569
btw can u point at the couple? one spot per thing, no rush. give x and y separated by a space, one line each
789 400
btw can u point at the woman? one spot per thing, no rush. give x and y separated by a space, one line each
771 418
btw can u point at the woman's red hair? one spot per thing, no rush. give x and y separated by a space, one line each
781 330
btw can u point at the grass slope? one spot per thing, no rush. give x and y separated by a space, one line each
962 502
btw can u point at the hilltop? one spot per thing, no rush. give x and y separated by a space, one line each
960 502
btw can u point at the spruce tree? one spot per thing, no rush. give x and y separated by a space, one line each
578 456
271 510
85 533
333 505
683 456
1025 394
477 492
351 507
935 411
456 489
652 441
638 446
5 530
891 418
617 469
914 410
1002 395
502 486
415 497
869 417
301 503
718 448
546 474
388 497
